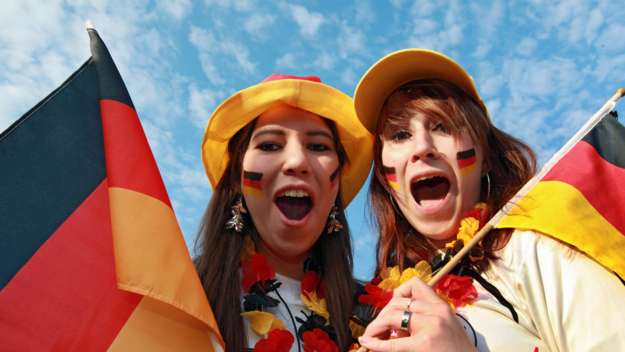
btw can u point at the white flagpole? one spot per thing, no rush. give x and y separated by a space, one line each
592 122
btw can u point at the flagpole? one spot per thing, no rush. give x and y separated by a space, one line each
592 122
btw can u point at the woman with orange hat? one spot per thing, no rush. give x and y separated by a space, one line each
439 167
284 157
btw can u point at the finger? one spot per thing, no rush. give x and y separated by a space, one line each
415 288
394 345
392 320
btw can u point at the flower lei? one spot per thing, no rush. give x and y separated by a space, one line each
259 279
457 290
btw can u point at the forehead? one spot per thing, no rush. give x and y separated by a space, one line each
289 117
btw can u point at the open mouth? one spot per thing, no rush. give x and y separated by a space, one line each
430 191
294 204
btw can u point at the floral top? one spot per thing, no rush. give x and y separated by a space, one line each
564 301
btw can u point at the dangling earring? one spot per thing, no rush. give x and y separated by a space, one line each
487 186
236 221
334 225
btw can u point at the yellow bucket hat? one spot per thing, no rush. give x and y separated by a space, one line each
306 93
403 66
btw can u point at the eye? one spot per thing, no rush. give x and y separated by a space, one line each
441 127
400 136
268 146
318 147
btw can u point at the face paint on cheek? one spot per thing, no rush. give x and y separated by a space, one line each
251 182
466 161
391 177
334 178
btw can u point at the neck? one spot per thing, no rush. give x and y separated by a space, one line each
288 266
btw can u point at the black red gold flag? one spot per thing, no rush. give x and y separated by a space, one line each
581 200
92 254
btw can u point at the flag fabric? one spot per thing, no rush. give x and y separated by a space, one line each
581 200
92 254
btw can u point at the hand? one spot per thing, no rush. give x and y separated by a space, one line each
433 325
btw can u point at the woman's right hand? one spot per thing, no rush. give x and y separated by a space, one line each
433 325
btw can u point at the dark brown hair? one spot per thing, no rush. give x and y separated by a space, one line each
509 162
218 261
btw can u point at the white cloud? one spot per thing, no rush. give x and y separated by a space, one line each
364 12
526 46
441 35
324 61
178 9
239 5
611 39
423 8
307 21
491 16
349 77
214 51
286 61
202 102
256 24
350 41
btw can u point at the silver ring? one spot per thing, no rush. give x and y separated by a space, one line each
405 320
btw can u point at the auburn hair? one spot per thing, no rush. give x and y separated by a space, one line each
509 162
218 260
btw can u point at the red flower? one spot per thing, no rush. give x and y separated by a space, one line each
457 290
311 282
276 341
318 340
479 212
375 296
256 269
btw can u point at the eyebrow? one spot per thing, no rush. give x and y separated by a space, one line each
281 133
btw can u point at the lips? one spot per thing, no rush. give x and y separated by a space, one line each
295 204
430 191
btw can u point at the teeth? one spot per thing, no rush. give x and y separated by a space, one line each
425 178
297 193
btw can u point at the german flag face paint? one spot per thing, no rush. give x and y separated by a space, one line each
251 182
334 177
466 161
391 177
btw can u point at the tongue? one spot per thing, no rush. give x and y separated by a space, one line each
294 208
429 193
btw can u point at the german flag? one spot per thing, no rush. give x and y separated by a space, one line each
581 200
93 257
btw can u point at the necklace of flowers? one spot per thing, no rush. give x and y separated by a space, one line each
457 290
259 279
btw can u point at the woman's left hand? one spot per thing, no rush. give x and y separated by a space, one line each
432 325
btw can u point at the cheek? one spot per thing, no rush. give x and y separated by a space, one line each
467 161
334 177
394 155
254 175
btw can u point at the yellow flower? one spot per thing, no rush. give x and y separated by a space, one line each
390 279
394 278
468 229
316 304
424 271
262 322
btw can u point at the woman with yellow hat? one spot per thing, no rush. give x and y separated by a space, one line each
284 157
439 167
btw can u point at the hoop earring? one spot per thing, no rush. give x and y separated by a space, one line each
334 225
487 186
236 221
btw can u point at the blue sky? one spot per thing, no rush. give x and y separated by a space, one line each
542 67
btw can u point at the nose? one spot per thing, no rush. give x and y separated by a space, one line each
296 159
424 147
